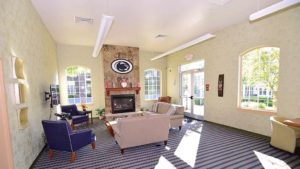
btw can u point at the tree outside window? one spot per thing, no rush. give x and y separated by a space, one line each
79 85
259 79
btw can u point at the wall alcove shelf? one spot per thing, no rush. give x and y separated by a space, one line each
20 92
136 89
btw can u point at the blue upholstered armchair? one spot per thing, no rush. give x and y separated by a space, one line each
60 136
76 115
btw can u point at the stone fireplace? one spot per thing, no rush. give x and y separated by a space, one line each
112 79
122 103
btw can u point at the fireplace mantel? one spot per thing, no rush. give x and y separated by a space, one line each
136 89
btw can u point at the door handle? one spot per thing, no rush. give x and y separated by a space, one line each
191 97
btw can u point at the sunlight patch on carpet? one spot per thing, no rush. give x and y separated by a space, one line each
271 162
164 163
188 146
168 148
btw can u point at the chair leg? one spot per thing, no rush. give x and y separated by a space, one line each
179 128
165 142
122 151
93 145
73 156
50 153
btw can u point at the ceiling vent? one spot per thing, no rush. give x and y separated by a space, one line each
220 2
160 36
79 19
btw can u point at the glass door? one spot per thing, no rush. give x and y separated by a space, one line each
186 91
198 94
192 93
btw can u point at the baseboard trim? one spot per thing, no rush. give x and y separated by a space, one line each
40 154
202 119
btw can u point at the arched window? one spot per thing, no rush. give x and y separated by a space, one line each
259 79
79 85
152 84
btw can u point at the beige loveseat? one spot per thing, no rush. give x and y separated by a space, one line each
284 136
135 131
175 112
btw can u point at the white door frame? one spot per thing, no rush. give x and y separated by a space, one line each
6 155
192 88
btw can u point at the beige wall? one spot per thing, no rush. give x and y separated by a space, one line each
69 55
221 56
22 34
145 64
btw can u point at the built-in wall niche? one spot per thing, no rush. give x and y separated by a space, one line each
18 68
23 117
20 93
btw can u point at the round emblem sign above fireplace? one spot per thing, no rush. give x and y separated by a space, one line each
121 66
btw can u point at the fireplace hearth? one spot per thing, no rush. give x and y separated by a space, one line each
123 103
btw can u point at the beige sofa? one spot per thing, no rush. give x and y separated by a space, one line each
135 131
175 112
284 136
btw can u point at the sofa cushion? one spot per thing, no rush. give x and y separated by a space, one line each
154 107
171 111
163 107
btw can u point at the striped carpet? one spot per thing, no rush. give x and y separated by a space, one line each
198 145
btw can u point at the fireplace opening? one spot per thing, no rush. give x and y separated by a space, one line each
123 103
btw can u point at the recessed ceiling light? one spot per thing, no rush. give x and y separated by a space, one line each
78 19
220 2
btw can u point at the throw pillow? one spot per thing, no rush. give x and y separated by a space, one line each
154 107
171 111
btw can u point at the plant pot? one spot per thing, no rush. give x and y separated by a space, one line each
101 117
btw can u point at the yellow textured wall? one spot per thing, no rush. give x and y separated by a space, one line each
145 64
221 56
22 34
69 55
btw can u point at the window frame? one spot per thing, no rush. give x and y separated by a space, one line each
160 83
87 70
240 86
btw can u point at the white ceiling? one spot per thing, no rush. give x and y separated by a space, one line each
137 22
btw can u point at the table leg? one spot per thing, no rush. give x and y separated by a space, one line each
92 117
109 128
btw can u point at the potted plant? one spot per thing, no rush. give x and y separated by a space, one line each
100 112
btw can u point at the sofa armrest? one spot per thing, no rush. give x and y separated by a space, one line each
81 112
116 130
177 116
179 109
148 113
81 138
